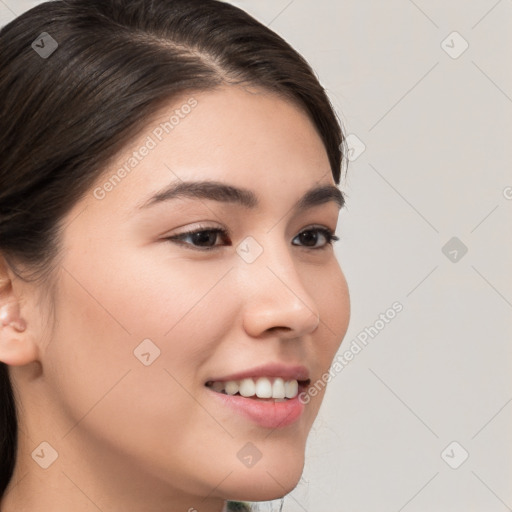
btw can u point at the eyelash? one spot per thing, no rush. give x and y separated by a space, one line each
328 234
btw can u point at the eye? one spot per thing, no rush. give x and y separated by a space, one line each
203 239
199 236
324 232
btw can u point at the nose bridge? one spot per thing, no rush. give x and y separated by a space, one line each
276 296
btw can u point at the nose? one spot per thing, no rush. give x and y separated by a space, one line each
275 297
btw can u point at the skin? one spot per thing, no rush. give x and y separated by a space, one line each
132 437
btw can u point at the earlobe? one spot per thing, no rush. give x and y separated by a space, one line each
16 347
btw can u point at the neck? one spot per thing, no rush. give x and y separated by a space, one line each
84 481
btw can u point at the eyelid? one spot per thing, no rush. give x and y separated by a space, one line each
197 227
328 233
204 227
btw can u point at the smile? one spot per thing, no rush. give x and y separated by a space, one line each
271 388
272 402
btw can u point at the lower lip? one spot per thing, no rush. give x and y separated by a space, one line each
267 414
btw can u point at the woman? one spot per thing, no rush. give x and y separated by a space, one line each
169 292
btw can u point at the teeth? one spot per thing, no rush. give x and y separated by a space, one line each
247 388
231 387
291 388
263 387
278 390
218 386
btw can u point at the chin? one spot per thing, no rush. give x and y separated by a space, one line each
265 481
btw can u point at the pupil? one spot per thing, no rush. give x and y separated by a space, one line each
309 235
204 236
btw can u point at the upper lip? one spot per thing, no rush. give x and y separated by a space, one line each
286 371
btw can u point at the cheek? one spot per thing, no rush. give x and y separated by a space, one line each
331 294
145 328
102 390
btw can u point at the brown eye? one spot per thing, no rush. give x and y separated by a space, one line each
200 238
204 239
310 237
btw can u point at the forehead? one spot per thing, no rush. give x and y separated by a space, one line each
235 122
248 139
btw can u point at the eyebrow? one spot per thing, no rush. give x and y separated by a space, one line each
222 192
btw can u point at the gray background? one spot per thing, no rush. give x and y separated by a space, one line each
436 126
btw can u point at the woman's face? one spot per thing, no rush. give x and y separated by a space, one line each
146 323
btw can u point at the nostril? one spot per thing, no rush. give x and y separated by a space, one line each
279 328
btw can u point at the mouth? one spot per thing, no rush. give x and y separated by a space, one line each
267 395
274 389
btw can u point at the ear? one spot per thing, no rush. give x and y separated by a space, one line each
17 346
